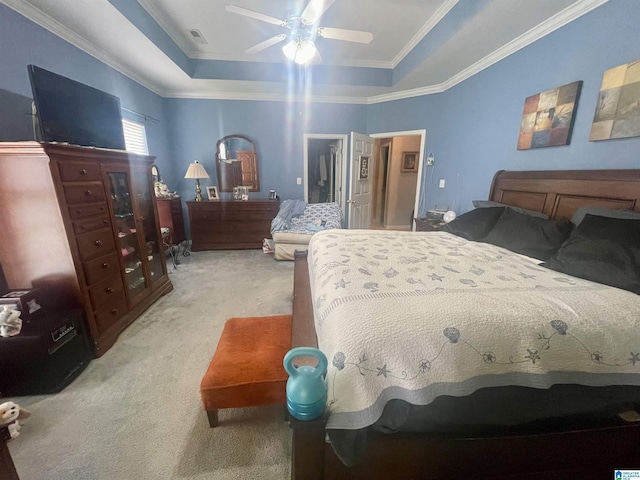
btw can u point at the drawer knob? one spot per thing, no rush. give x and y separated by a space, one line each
106 265
108 290
98 243
105 221
83 171
114 311
88 192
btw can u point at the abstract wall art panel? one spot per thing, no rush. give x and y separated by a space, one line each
547 118
618 108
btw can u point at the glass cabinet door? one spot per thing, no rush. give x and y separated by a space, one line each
141 178
127 232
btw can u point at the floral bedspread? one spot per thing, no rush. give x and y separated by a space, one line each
415 315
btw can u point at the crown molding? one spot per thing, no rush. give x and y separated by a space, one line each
52 25
160 19
426 28
562 18
555 22
266 97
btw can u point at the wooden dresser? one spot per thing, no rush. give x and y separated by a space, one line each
230 224
170 216
83 222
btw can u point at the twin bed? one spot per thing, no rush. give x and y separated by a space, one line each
451 358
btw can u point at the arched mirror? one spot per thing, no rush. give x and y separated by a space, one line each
237 163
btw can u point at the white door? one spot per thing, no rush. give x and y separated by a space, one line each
361 174
337 190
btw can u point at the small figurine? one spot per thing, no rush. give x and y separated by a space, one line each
161 190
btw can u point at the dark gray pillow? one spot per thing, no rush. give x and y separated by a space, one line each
603 212
604 250
532 236
475 224
491 203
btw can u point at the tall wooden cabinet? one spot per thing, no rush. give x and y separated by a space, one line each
83 222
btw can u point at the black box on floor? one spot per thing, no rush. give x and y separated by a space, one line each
46 356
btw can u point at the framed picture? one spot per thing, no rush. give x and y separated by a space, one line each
364 168
212 192
409 162
618 109
548 117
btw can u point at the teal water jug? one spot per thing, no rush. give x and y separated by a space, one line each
306 387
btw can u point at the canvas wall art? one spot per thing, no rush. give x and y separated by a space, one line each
618 108
547 118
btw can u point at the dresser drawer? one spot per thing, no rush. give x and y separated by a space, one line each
79 171
110 314
90 224
82 211
84 193
105 294
101 268
95 244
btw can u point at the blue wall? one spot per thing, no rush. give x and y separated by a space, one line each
276 127
472 128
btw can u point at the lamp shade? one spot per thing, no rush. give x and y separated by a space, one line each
196 170
300 50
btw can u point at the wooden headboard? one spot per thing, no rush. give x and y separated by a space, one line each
559 193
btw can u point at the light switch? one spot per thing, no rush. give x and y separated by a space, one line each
441 183
299 180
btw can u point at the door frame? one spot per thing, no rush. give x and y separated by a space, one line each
410 133
305 156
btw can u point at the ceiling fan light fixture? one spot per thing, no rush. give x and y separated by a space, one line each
300 50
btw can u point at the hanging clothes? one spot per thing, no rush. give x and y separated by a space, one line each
323 170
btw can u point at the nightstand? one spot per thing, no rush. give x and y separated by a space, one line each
424 225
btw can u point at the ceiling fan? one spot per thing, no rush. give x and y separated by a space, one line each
303 31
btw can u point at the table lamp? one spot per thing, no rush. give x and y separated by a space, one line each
197 171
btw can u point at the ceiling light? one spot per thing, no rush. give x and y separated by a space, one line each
299 50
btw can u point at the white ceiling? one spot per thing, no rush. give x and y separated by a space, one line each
420 46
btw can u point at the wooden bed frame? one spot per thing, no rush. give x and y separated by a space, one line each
579 452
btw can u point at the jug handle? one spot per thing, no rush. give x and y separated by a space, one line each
321 369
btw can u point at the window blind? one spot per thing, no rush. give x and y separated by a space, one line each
135 137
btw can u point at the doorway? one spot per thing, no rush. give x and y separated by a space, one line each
323 168
396 180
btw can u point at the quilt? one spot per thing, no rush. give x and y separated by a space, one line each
416 315
310 219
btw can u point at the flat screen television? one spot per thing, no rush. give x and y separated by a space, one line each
72 112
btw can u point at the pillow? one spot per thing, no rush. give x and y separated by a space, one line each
491 203
532 236
604 250
603 212
475 224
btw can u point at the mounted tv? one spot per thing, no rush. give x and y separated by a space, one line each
72 112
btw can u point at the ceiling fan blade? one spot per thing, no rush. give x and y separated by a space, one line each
256 15
347 35
266 44
314 10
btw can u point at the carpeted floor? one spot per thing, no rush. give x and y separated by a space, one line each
135 413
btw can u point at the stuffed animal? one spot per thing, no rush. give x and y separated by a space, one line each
10 415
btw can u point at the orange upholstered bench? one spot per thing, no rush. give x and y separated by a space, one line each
246 370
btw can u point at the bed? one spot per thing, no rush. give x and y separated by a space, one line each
576 445
297 222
